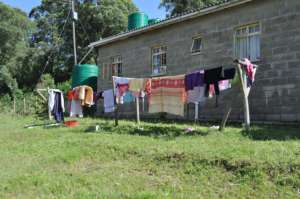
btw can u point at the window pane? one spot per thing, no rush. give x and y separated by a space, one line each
254 42
197 43
158 59
120 69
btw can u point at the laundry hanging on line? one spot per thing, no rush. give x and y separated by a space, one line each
109 102
78 97
56 104
168 95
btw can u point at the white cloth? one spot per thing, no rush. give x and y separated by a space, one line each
76 109
109 104
196 95
51 99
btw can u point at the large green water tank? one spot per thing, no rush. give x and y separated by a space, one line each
137 20
85 74
153 21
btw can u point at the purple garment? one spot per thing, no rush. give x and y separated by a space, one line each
195 79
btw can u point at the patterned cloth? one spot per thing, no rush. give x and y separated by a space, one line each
168 95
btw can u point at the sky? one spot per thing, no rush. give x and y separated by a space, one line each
150 7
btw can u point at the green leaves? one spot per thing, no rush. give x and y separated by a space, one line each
174 7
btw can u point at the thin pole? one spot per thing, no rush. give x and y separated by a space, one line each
24 105
49 111
137 110
116 112
196 111
14 106
74 32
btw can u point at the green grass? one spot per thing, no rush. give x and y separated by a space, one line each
155 160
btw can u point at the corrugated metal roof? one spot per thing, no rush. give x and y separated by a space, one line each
210 8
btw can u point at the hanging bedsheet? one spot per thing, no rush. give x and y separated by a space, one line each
168 95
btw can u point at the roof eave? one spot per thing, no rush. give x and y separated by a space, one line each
168 22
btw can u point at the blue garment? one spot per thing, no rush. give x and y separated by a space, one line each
57 110
128 97
194 80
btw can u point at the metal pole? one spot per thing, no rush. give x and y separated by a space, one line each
74 31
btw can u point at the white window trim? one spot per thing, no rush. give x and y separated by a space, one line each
191 50
235 36
115 60
155 54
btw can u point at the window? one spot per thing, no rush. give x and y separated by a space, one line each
116 68
247 42
159 60
197 45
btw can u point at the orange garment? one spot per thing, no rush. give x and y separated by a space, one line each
82 92
70 95
89 96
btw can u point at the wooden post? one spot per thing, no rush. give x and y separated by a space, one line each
116 112
24 105
196 111
14 105
225 118
245 97
49 111
138 110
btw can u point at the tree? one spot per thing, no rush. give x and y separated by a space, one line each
174 7
15 29
96 21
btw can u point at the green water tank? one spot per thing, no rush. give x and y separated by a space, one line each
137 20
153 21
85 74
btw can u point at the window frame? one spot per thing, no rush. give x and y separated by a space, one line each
193 43
162 49
116 62
247 35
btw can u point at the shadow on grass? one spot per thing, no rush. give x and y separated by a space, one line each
279 133
157 131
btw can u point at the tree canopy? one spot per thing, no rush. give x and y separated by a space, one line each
174 7
27 44
15 29
94 22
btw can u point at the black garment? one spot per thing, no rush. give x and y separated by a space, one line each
57 110
228 74
212 76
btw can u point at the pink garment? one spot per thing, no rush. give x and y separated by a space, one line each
249 69
223 85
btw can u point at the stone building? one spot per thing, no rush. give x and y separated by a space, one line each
266 31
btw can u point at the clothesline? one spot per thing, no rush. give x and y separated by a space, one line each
170 93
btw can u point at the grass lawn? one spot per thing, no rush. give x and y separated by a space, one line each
157 160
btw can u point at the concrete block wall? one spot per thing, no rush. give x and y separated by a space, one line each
276 93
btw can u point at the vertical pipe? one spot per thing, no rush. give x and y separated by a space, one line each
74 31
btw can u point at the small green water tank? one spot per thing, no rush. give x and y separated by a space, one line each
85 74
137 20
153 21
